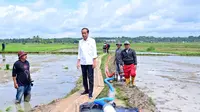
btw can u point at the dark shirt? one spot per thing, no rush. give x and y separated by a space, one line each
118 58
129 57
3 45
21 70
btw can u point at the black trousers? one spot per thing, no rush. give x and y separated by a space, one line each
88 73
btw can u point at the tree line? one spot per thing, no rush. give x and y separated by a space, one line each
140 39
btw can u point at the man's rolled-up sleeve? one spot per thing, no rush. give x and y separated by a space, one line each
14 71
94 50
79 51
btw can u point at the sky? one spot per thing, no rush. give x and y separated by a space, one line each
106 18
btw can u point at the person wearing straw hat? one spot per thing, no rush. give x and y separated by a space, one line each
129 65
118 61
21 78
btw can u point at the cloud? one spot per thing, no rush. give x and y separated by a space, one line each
57 18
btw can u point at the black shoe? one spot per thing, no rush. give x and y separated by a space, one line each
90 96
85 92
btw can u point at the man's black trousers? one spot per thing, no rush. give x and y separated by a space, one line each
88 73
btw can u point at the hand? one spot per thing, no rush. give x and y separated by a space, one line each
94 64
121 67
135 67
78 65
15 85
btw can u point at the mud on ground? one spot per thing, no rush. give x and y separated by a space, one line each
132 97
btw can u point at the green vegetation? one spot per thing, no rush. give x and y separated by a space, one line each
121 96
104 92
151 101
147 39
150 49
66 68
20 110
77 87
15 47
186 49
8 109
7 67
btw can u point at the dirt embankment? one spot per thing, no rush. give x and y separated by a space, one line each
73 101
132 97
125 97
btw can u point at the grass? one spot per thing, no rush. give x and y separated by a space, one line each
66 68
150 49
104 92
77 88
186 49
7 67
121 96
9 109
151 101
39 47
20 110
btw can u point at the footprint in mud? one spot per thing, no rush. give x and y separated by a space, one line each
166 92
162 101
169 109
185 86
182 98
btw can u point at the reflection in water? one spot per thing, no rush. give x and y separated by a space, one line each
44 85
27 107
3 57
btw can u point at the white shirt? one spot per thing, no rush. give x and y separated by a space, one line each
87 51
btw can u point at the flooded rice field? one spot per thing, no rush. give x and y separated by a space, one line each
51 79
173 82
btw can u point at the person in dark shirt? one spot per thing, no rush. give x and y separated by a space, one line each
21 77
129 64
104 47
107 48
3 46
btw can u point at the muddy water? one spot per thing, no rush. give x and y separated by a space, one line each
172 81
51 80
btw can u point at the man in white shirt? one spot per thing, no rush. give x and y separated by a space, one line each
87 54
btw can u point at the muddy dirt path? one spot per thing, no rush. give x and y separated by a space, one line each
132 97
72 103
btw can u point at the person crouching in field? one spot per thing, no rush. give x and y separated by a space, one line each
21 77
129 65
